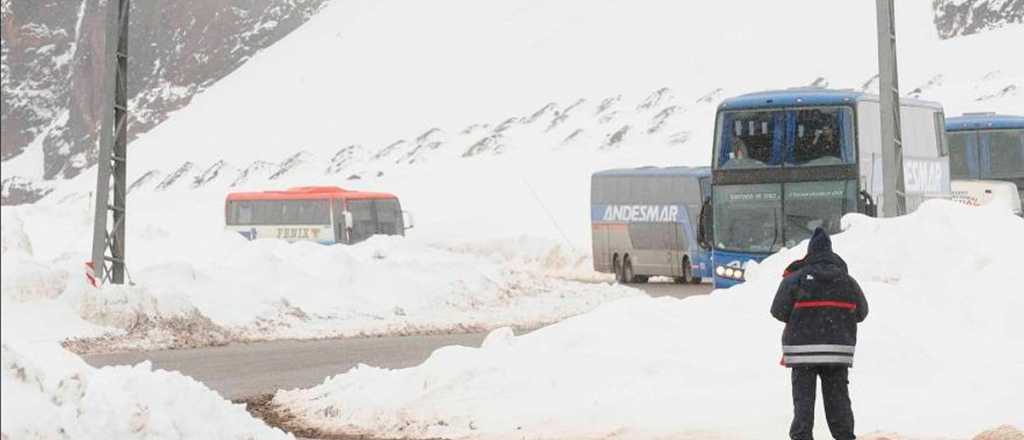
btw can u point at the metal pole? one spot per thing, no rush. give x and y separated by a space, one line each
893 193
108 245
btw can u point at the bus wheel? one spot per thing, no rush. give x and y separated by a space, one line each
687 272
627 271
617 269
641 279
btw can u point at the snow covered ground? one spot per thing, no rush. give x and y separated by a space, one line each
198 285
939 356
50 393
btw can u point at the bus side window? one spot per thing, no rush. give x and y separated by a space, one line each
244 213
388 217
364 224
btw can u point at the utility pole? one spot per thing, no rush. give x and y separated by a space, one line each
894 201
108 244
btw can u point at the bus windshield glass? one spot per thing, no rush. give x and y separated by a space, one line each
762 218
278 212
997 154
812 136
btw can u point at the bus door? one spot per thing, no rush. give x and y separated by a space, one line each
364 220
338 221
599 239
676 252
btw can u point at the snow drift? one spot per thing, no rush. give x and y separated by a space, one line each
939 355
195 284
51 394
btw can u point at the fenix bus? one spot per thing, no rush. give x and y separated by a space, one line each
324 214
642 223
986 158
786 162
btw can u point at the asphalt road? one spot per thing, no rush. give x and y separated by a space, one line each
244 370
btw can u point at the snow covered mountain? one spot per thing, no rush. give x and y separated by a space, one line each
366 89
52 55
954 18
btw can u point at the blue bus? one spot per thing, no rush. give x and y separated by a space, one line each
642 223
987 146
785 162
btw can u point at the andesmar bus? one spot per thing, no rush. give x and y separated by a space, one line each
642 223
786 162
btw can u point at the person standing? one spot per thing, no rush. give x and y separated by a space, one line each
821 305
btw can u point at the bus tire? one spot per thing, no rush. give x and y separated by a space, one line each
617 268
687 272
641 279
627 270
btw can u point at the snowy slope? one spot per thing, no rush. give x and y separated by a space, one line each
367 87
938 357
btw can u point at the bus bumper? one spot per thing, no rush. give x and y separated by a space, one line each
728 267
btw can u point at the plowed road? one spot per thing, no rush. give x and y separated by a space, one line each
244 370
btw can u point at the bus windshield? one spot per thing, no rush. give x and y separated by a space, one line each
785 137
997 154
279 212
762 218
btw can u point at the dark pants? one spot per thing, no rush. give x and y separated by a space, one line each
834 389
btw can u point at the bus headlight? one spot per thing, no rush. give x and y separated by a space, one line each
729 272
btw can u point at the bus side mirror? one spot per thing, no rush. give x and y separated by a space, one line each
408 220
866 204
704 224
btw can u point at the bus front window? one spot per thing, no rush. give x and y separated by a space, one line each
774 138
809 205
748 217
1007 154
986 154
764 218
961 159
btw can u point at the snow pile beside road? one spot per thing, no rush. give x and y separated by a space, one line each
198 285
51 394
938 356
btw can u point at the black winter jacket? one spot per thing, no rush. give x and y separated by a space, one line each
821 305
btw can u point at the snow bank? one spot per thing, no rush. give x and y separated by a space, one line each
938 356
198 285
50 393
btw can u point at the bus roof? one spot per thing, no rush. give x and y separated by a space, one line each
309 193
976 121
808 96
656 171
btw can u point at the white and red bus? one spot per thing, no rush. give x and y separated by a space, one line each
324 214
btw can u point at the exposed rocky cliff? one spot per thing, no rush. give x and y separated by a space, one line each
54 61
